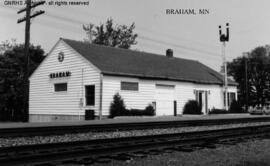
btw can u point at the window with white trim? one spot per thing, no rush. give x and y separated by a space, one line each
129 86
60 87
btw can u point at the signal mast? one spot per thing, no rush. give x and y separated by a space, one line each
223 39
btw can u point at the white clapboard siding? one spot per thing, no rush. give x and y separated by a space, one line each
214 95
43 99
133 99
184 91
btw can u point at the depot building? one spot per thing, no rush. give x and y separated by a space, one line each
76 77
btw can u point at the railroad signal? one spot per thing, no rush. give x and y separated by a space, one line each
224 38
27 19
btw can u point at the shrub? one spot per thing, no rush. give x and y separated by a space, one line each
218 111
192 107
135 112
117 107
149 110
235 107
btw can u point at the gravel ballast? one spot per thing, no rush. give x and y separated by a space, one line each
7 142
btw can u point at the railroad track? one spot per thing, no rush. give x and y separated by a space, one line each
102 150
67 129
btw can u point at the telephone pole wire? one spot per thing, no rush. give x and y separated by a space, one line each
27 19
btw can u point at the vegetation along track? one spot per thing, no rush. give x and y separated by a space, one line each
87 152
67 129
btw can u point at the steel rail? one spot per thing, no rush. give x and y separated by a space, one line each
44 153
67 129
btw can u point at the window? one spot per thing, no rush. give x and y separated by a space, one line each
131 86
90 95
60 87
231 97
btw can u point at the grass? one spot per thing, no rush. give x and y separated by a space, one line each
251 153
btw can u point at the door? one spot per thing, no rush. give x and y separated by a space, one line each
90 95
164 100
202 98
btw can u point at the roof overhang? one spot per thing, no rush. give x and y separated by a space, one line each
149 77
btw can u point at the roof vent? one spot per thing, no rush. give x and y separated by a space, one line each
169 53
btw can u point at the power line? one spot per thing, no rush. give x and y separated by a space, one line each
142 37
195 54
155 32
137 26
70 20
206 52
213 54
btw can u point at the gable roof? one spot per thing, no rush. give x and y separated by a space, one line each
124 62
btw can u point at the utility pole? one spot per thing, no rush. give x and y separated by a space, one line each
246 79
223 39
27 19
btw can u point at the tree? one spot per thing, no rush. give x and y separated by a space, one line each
11 78
117 106
258 71
7 45
120 36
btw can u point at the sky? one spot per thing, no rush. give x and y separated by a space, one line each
190 36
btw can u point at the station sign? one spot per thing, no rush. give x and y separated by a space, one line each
60 74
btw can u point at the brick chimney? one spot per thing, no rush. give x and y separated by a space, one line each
169 53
